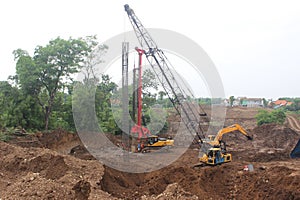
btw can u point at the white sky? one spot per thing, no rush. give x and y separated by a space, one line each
255 44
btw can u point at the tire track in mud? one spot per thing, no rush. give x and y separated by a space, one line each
294 123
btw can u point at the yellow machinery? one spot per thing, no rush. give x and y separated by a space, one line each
213 150
214 156
217 140
155 141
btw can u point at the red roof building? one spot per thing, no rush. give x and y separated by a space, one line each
280 102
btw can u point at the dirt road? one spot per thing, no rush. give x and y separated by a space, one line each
294 123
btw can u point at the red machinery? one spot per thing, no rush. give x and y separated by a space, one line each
139 130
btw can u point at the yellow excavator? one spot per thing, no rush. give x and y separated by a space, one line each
155 141
213 150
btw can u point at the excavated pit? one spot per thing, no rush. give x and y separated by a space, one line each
63 169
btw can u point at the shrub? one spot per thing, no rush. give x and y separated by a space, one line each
265 117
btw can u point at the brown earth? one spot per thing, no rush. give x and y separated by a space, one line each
57 166
293 122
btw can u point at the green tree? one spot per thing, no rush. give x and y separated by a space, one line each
265 102
278 116
103 96
149 82
231 100
204 101
17 108
93 59
161 95
51 67
265 117
295 106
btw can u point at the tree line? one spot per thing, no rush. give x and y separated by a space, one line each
40 95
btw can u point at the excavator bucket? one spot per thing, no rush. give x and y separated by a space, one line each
249 137
296 151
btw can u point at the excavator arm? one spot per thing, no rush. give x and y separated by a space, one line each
235 127
216 153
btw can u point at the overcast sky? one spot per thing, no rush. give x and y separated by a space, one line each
255 45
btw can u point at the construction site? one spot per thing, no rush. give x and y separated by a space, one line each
56 165
236 159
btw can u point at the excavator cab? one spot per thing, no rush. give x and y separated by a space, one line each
152 139
155 141
215 157
211 137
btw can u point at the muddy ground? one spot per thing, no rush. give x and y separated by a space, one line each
57 166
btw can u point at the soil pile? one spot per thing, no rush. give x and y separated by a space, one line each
230 181
58 140
36 173
270 142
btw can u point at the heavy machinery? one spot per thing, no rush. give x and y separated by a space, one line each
145 140
179 96
155 141
216 140
162 69
214 156
216 152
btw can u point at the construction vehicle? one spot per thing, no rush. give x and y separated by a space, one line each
139 131
161 66
178 94
216 148
214 156
155 141
216 140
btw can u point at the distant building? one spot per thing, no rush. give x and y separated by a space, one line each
280 103
246 102
252 102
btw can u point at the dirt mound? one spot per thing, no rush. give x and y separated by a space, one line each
228 181
275 182
275 136
173 191
293 122
270 142
241 115
134 186
81 152
37 173
82 190
48 165
58 140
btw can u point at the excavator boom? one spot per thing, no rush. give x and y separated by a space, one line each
229 129
216 153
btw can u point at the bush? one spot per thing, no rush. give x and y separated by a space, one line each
265 117
5 136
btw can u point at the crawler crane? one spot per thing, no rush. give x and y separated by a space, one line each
177 94
162 69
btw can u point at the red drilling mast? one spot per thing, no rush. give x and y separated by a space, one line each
138 129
